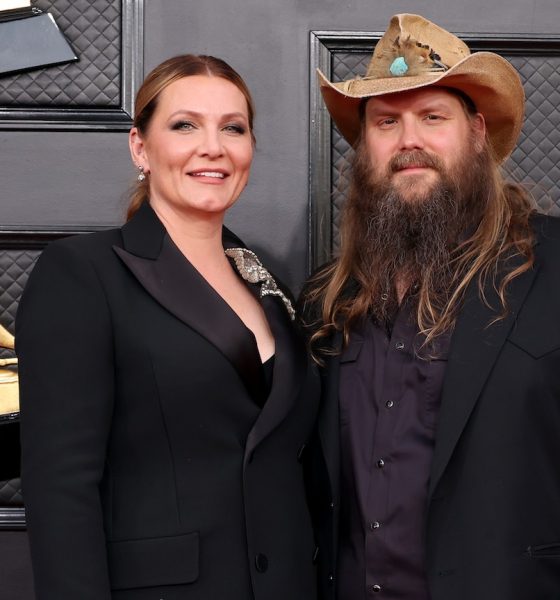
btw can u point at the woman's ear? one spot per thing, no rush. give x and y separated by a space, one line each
138 150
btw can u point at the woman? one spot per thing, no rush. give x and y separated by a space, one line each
165 397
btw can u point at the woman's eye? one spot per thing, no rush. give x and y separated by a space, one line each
183 126
239 129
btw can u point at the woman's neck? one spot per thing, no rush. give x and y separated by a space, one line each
197 235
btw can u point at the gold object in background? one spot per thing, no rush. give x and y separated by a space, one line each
9 397
6 338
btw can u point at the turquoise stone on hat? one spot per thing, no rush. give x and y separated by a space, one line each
398 67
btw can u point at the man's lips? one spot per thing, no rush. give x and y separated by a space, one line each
412 168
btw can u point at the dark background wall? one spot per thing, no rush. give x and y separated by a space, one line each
78 178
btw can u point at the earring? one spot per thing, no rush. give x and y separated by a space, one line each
141 176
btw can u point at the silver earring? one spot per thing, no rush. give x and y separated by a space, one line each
141 176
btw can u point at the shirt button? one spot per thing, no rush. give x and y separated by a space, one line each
331 578
380 463
389 404
399 345
375 588
261 563
374 525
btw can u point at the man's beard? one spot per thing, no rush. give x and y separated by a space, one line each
411 230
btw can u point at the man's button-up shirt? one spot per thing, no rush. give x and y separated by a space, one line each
389 402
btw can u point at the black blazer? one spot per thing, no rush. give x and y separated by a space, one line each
493 510
149 470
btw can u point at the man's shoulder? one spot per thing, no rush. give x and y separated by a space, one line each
546 228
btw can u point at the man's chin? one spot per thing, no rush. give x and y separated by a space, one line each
415 187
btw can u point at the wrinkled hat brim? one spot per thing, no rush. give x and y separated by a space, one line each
489 80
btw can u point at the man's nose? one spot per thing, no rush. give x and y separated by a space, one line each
411 136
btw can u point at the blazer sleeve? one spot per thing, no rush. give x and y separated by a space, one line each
65 350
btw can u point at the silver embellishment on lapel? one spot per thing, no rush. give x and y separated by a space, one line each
252 270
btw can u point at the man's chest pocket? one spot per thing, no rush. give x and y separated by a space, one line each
538 341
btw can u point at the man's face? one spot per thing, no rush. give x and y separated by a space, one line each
414 137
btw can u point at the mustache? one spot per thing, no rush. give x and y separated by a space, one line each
415 158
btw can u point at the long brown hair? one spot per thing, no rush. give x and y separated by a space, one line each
157 80
342 293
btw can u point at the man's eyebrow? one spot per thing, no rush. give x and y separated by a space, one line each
389 109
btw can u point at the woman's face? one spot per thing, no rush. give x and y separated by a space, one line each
198 147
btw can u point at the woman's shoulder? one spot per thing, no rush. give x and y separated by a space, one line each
91 247
89 241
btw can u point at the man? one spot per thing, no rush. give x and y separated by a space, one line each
436 475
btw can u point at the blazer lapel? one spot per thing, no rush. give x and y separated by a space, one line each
290 364
475 346
163 271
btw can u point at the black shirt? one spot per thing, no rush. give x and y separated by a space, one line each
389 403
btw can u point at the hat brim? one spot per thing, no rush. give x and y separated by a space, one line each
488 79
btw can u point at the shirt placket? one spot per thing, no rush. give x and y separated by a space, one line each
398 352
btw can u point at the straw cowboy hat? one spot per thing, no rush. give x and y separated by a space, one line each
415 53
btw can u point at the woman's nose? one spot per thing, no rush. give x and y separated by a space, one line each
210 144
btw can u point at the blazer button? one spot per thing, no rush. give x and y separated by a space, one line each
261 563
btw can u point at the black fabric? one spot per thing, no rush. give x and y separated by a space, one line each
389 400
153 562
16 578
268 373
494 488
156 433
170 279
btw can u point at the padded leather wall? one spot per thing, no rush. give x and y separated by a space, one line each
94 31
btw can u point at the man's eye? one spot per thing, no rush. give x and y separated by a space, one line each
433 117
387 122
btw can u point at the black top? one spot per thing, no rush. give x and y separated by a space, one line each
389 402
268 372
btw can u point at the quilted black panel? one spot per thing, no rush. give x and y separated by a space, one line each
10 492
15 266
94 30
536 160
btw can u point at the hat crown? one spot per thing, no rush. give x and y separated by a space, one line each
417 41
413 54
